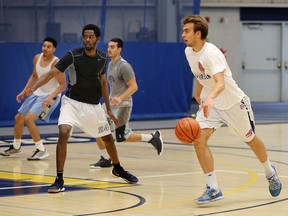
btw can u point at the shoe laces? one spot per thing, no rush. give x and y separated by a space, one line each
209 192
122 172
35 152
101 159
273 182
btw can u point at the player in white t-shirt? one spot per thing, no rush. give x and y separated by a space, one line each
40 104
220 101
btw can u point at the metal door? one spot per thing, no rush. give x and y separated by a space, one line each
265 61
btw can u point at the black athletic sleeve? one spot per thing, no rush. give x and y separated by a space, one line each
65 61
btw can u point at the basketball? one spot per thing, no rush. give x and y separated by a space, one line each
187 130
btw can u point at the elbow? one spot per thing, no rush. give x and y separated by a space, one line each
223 86
63 88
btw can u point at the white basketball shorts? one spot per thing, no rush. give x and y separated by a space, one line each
239 119
90 118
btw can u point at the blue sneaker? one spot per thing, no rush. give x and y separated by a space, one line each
275 185
210 195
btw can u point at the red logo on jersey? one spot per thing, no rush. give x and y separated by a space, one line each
200 67
250 132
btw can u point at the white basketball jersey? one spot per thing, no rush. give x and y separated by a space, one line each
49 87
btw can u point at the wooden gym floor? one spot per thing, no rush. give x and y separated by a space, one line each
167 183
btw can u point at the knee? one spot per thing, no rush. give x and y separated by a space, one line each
19 117
120 133
253 141
29 119
64 133
108 139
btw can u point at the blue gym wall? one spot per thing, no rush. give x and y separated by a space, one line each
162 72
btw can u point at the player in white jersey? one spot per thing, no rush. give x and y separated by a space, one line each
123 85
40 104
220 101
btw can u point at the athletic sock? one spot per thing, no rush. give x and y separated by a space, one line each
146 137
104 154
17 143
269 171
39 145
211 180
59 174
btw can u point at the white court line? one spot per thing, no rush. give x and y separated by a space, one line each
115 179
28 186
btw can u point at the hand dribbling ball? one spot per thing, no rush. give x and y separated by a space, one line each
187 130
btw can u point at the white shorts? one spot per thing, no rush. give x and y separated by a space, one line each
90 118
239 119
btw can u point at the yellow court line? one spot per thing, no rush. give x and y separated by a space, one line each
252 181
68 181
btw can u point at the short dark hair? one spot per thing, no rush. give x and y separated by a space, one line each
118 41
200 24
93 27
52 40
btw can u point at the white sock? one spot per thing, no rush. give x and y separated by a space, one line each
104 154
146 137
269 171
17 143
39 145
211 180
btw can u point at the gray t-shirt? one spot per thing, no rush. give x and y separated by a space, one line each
118 74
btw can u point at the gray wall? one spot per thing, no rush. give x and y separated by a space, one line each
132 20
158 20
225 32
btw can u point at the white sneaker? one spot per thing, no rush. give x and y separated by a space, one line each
11 150
38 155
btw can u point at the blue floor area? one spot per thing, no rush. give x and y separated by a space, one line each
22 187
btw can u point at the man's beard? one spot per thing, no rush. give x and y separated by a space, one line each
89 48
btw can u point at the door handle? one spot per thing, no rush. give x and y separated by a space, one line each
286 65
279 65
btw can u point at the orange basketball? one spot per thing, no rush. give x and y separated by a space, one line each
187 130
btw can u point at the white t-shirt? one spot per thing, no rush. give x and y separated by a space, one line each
49 87
208 62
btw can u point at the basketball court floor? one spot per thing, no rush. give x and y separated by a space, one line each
167 184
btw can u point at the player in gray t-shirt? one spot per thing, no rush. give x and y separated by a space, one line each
123 85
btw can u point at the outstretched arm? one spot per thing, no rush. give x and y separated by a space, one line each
43 80
62 86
